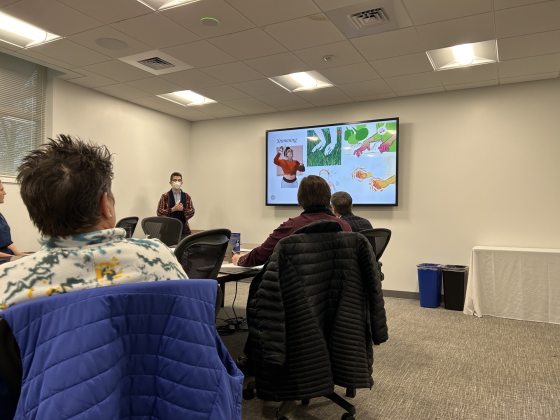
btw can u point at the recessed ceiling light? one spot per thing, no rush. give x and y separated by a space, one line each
111 43
464 55
305 80
165 4
187 98
209 21
22 34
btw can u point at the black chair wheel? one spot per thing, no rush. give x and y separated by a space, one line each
351 392
347 416
305 402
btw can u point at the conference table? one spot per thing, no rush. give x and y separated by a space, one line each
516 283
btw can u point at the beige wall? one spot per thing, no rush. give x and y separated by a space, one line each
477 167
147 146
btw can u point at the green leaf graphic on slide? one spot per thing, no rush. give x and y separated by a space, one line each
356 134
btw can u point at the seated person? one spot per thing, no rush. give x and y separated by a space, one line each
314 195
342 207
66 187
7 247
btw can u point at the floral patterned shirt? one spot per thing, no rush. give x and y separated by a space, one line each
83 261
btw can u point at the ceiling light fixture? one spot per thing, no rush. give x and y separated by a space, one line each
209 21
165 4
305 80
464 55
22 34
187 98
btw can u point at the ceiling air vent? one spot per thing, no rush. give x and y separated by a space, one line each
155 62
369 17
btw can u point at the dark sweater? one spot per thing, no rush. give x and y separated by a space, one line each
260 254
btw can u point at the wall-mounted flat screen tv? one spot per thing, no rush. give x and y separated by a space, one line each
360 158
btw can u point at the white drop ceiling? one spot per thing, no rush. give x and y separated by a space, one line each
257 39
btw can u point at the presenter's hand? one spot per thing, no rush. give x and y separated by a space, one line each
177 207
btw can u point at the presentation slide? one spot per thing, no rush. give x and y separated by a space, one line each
359 158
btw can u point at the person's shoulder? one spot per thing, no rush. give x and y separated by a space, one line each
345 225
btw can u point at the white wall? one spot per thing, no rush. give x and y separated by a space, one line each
477 167
147 147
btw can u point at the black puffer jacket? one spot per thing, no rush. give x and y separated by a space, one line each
314 312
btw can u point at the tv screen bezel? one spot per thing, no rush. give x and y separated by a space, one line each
396 203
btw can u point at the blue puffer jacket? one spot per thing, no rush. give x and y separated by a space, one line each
142 351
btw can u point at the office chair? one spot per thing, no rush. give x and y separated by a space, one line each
202 253
167 229
138 350
314 313
128 224
378 238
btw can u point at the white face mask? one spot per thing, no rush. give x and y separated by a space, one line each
176 185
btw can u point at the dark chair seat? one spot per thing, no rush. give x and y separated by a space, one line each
167 229
128 224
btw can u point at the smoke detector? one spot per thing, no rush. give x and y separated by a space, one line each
370 17
156 62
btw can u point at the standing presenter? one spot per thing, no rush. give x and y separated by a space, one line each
176 203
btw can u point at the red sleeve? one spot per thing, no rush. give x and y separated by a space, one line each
163 206
189 208
260 254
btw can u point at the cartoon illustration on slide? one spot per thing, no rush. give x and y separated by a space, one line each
376 184
325 174
323 148
288 167
383 138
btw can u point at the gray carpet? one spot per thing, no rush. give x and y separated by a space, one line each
441 364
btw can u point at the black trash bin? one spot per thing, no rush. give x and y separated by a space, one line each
454 286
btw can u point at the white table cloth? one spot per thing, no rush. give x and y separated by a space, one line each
517 283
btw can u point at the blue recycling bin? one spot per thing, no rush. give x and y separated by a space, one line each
429 284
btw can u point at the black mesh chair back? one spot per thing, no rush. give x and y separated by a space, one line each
378 238
202 253
128 224
167 229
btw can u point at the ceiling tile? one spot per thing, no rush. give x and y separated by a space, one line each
248 44
325 97
222 93
428 11
7 2
305 32
220 110
68 52
265 12
199 54
90 39
260 88
117 70
108 11
388 44
531 65
405 64
457 31
156 30
529 45
420 91
340 53
249 106
471 85
286 101
189 17
92 80
52 16
350 74
191 79
154 85
528 78
469 75
539 17
371 89
335 4
233 72
121 91
278 64
414 82
506 4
